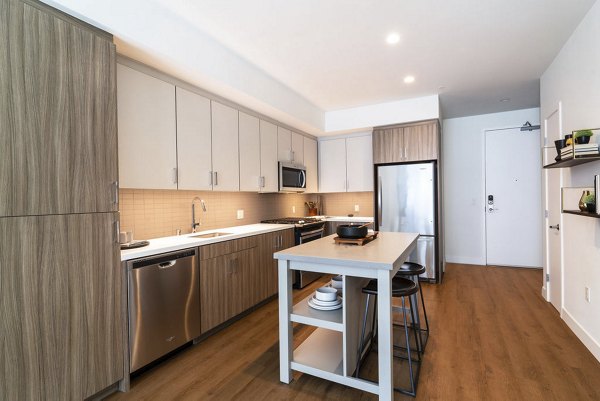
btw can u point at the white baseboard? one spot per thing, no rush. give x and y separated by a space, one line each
582 334
545 294
465 260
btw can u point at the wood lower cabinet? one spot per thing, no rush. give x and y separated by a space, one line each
62 317
58 118
227 280
269 244
406 143
236 275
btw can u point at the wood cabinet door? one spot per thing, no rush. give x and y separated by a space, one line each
421 142
359 167
297 148
58 120
388 145
225 147
61 306
269 169
217 287
268 245
332 160
310 161
147 131
249 276
194 143
249 153
284 145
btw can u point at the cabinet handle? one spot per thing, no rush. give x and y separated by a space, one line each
117 229
210 177
116 192
291 155
262 182
175 175
216 179
405 154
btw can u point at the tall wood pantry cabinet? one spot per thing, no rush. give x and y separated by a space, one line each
61 330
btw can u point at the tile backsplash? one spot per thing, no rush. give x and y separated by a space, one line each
342 204
160 213
152 213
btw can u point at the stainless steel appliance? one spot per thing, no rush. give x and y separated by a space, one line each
406 200
306 229
292 177
164 305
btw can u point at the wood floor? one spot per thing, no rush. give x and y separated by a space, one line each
493 338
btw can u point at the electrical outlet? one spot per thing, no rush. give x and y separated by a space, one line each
587 294
294 209
356 208
240 214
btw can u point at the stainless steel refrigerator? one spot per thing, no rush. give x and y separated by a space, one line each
406 201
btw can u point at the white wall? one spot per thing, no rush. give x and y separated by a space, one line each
463 151
401 111
573 79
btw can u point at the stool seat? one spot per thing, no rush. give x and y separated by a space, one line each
401 287
410 269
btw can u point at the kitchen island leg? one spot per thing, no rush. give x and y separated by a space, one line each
285 324
384 335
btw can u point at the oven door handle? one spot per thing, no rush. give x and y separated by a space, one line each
311 233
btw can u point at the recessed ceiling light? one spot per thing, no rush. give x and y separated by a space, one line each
505 99
393 38
409 79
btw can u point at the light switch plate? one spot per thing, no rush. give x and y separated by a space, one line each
587 294
240 214
294 209
356 208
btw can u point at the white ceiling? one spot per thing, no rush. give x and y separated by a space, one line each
333 53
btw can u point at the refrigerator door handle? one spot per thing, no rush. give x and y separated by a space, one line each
379 201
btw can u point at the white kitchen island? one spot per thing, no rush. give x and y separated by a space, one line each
331 351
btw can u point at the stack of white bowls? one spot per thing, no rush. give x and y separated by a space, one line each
325 298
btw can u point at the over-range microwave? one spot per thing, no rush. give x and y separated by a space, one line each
292 177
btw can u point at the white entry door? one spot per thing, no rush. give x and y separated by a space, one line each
513 198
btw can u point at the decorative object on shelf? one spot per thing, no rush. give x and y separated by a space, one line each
582 200
582 136
589 201
559 143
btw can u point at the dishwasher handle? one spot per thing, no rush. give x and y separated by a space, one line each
166 265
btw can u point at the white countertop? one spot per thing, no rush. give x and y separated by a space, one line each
382 253
177 242
346 218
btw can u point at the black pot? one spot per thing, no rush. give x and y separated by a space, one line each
590 207
568 136
560 143
582 139
352 231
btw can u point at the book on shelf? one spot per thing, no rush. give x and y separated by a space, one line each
584 149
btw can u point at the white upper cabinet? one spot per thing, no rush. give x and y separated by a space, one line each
194 161
268 157
147 131
250 178
297 148
346 164
359 166
310 161
284 145
332 162
225 150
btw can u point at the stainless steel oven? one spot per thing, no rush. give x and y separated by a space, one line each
292 177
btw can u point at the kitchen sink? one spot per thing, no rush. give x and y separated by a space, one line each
210 235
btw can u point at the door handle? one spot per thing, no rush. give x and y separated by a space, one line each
379 201
556 227
166 265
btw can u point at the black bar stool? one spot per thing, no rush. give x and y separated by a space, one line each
414 270
401 288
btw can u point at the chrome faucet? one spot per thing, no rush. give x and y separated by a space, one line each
203 205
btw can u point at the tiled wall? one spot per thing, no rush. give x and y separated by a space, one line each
159 213
342 204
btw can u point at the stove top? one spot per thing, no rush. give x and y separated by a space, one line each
298 221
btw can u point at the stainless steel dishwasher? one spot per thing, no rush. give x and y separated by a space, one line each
164 305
